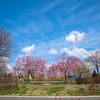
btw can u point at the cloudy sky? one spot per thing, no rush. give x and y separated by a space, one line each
49 28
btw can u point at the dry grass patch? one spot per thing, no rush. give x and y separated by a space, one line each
54 91
87 92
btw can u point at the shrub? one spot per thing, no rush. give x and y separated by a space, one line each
79 80
62 78
88 80
31 79
39 79
48 79
8 82
82 80
25 79
95 80
58 79
53 78
94 83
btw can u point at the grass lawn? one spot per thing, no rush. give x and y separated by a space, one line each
47 83
48 91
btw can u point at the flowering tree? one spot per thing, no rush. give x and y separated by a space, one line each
94 59
66 65
26 64
63 66
53 71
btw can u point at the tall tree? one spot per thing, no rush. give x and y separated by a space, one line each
66 65
63 66
94 59
94 74
26 65
6 48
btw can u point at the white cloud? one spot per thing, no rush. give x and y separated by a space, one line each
8 66
53 51
79 36
28 49
81 53
19 56
4 58
75 36
70 38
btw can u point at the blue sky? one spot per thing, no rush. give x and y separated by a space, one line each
50 27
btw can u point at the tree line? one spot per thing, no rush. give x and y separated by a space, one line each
26 65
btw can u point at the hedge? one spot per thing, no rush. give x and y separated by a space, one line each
82 80
8 82
87 80
48 79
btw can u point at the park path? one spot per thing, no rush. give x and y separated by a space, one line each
56 86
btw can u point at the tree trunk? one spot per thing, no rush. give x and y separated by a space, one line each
65 79
97 69
28 77
80 75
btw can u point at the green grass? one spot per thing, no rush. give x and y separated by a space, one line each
81 89
47 83
13 90
48 91
55 89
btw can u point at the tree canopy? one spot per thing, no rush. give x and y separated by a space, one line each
82 70
26 65
64 65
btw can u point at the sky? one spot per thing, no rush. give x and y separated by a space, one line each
48 28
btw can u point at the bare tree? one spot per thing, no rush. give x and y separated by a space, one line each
6 48
94 58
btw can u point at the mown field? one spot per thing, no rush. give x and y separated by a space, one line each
23 90
48 91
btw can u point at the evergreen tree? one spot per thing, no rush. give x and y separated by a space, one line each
94 74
